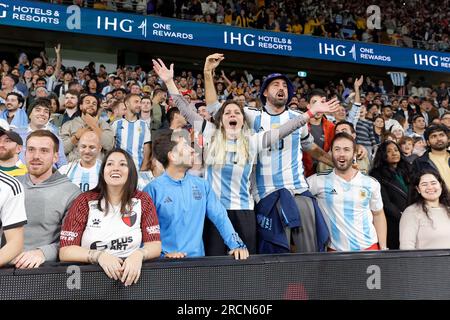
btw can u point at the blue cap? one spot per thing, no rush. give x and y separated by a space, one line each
272 77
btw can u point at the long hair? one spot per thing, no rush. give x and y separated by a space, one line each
383 129
381 165
217 151
128 189
416 198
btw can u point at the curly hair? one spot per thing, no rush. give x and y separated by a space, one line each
416 198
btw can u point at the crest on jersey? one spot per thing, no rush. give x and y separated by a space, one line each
363 193
129 218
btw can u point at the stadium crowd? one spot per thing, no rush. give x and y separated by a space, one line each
420 24
124 167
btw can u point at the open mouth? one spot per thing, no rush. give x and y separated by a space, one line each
280 94
115 176
233 124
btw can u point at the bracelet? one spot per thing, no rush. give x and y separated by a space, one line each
94 255
310 114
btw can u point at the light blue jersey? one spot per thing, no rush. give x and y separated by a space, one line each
85 178
347 208
230 181
144 178
182 206
131 137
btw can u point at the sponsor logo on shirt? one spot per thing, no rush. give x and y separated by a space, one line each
68 235
98 246
333 191
196 193
153 229
167 200
95 223
120 244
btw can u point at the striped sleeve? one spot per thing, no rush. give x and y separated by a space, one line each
149 219
75 221
12 203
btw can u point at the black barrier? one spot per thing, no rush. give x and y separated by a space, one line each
362 275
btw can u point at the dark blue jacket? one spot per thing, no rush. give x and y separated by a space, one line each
279 210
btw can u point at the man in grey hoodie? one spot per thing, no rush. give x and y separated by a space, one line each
48 197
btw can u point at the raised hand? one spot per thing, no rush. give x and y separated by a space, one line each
162 71
358 82
212 61
322 106
58 49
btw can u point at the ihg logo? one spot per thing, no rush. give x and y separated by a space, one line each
3 10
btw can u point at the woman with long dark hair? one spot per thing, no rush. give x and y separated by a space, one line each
392 171
378 128
108 224
425 224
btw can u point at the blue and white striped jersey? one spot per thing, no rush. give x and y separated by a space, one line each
85 178
231 182
131 137
347 208
144 178
279 166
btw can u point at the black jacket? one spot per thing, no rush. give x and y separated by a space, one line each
424 162
395 200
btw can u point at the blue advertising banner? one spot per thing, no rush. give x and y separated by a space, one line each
38 15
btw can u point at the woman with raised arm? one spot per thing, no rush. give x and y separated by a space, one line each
230 152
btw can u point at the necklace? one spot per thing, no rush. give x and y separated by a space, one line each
115 208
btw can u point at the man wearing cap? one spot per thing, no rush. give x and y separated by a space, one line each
438 156
107 89
280 167
11 145
48 196
14 113
117 84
